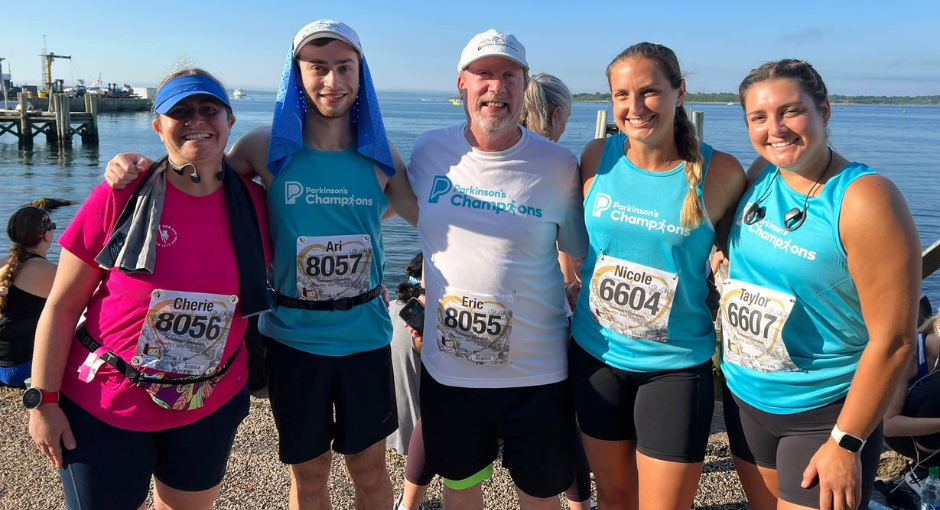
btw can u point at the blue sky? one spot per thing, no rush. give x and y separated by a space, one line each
860 47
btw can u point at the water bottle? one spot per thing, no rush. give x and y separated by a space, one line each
930 495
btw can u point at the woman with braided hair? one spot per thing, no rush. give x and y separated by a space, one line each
27 277
656 200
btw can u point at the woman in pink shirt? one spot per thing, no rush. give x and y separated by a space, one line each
153 381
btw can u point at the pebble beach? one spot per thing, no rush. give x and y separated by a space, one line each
256 479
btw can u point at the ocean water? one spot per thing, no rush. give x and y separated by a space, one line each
897 143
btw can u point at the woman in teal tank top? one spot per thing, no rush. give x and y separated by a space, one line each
819 310
640 362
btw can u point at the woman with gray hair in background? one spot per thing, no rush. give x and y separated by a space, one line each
545 111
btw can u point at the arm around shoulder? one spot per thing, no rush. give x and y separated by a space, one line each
590 160
400 196
249 154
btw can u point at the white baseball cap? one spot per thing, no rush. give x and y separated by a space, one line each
493 43
327 28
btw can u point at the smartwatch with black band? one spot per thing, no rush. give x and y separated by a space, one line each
847 441
35 397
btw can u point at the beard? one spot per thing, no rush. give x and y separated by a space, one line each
492 124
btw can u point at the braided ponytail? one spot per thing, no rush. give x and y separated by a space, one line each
684 131
26 229
687 145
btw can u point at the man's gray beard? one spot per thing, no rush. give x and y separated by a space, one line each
491 126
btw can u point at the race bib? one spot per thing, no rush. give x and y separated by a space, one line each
752 319
332 267
475 327
185 332
632 299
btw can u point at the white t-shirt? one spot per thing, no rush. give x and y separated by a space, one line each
488 226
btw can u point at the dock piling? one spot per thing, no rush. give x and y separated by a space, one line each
26 131
698 118
90 129
600 129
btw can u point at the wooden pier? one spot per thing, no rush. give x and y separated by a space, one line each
59 124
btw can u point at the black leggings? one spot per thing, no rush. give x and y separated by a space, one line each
417 472
923 401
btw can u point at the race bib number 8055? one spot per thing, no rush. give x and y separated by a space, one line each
475 327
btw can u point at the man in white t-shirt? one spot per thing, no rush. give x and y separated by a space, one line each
494 199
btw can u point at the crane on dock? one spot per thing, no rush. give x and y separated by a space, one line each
50 84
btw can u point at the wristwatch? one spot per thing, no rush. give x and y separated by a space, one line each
35 397
847 441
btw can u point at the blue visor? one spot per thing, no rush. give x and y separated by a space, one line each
181 87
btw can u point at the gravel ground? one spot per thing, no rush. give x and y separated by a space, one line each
256 479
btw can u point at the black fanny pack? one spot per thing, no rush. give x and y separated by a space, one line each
136 376
341 304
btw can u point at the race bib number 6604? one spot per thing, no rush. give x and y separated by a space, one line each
475 327
632 299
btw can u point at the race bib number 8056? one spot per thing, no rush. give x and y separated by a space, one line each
185 332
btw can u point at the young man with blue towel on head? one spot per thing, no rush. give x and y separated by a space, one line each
331 174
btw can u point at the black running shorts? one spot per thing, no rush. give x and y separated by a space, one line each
787 442
668 413
305 388
463 426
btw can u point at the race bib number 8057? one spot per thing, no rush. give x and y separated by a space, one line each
332 267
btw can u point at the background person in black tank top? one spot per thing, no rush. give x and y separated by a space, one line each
27 276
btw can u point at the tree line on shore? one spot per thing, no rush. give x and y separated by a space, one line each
728 97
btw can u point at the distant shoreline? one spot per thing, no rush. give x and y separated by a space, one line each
836 99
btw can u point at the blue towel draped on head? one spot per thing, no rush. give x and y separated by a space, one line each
289 114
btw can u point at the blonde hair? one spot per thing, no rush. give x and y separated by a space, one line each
684 131
931 325
544 93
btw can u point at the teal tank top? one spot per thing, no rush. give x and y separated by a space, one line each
642 304
792 328
325 211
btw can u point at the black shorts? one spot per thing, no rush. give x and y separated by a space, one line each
304 388
668 413
787 442
112 467
463 426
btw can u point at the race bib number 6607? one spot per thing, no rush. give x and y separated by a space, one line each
752 327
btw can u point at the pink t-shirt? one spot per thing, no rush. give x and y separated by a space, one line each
194 254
